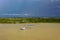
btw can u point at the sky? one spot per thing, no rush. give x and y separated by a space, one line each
29 8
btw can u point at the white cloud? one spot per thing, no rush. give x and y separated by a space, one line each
26 14
10 14
23 14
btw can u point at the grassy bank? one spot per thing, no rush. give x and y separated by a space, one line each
29 20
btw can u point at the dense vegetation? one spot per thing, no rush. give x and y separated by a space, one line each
29 20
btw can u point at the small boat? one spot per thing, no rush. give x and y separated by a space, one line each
22 28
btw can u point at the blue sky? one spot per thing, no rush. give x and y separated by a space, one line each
37 8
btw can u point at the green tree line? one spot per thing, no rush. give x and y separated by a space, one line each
29 20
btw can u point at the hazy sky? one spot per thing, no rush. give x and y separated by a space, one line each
37 8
